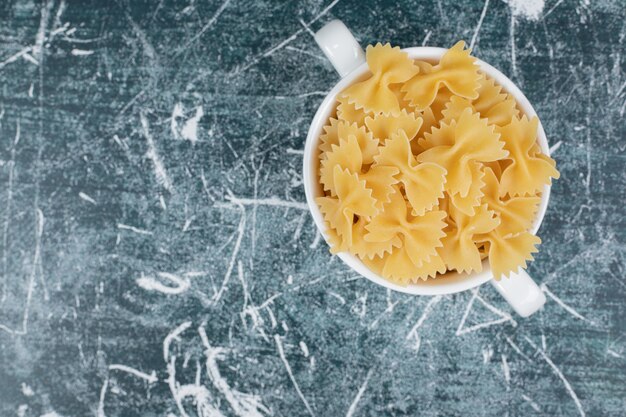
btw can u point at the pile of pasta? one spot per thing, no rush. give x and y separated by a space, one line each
428 168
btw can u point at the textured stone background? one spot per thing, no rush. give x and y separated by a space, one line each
157 257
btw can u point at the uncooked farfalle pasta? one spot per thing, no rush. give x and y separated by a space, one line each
429 168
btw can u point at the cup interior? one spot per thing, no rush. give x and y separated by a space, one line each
451 282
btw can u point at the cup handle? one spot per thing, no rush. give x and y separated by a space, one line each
340 47
521 292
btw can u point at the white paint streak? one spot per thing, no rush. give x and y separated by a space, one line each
87 198
190 129
151 284
556 146
244 405
359 394
504 317
533 404
272 201
103 392
173 335
81 52
480 23
151 378
281 353
567 308
304 348
429 306
568 387
133 229
241 230
159 168
505 369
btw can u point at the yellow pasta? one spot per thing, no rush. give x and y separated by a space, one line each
516 213
527 173
459 251
428 168
346 155
423 183
508 254
457 70
347 111
388 66
468 139
353 198
420 235
383 126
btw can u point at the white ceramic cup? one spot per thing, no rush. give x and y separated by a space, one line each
347 56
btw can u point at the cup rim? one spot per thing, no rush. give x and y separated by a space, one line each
451 282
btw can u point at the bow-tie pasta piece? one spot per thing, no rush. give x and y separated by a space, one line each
473 140
457 70
347 155
516 213
421 235
367 143
508 254
527 174
334 241
423 183
396 89
368 250
380 179
383 126
468 204
348 112
338 130
493 104
329 137
353 199
497 108
388 66
459 251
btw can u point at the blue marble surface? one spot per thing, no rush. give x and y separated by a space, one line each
157 257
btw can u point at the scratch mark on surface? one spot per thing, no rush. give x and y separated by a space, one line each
173 335
427 310
36 266
151 378
512 38
87 198
285 42
206 27
316 240
159 169
567 308
244 405
81 52
516 348
533 404
103 392
504 317
566 383
480 23
506 370
272 201
241 230
359 394
554 147
151 284
281 353
134 229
